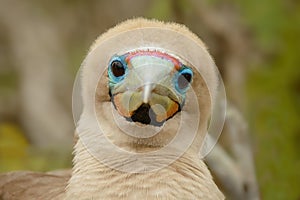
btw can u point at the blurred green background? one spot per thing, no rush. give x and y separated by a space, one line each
42 44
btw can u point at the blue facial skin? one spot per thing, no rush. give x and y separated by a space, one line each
113 80
180 83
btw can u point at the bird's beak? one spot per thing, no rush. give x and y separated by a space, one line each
147 90
147 95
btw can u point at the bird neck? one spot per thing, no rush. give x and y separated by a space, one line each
91 179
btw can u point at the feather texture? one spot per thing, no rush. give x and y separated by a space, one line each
185 178
29 185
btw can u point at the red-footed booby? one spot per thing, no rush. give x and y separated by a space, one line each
147 90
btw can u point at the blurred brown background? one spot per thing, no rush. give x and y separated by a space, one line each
255 45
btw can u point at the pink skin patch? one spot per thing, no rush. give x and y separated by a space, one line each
175 61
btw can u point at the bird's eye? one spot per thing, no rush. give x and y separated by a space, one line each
183 79
117 68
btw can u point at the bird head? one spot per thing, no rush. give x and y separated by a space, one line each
146 85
